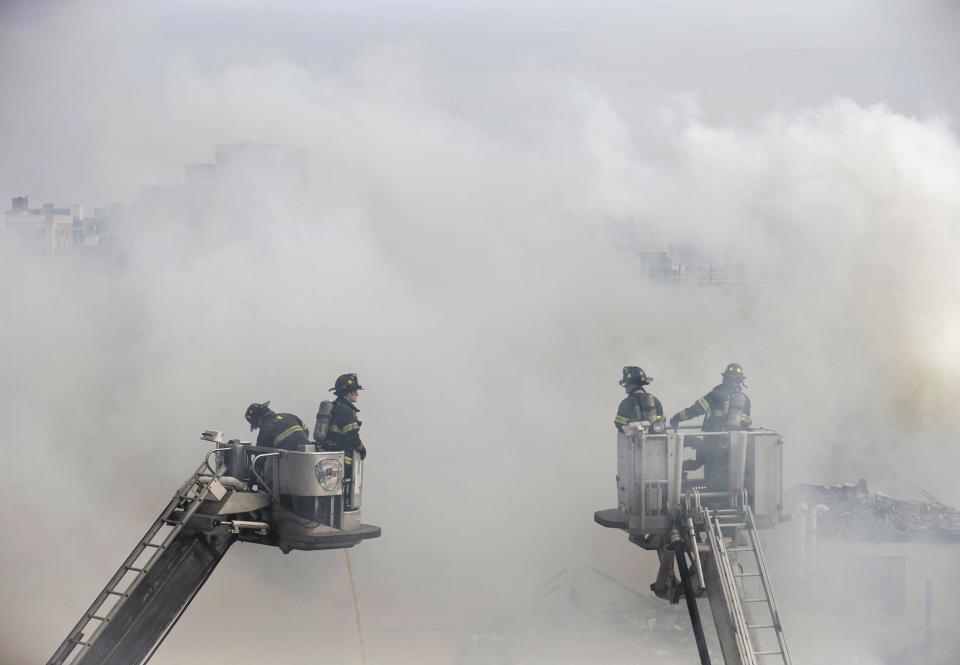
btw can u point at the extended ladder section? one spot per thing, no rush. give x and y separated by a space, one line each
155 584
739 589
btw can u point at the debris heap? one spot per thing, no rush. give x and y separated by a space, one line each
856 513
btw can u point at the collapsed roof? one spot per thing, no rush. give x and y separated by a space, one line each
855 513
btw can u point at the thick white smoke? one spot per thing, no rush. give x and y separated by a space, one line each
462 238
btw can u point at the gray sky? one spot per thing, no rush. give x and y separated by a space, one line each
85 80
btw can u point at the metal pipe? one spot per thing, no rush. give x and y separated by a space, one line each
928 623
356 490
276 483
696 431
811 553
713 495
233 483
692 543
236 525
643 488
674 497
803 510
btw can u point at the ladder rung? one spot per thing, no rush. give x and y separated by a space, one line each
753 600
761 625
746 574
159 547
732 525
136 570
767 653
117 593
740 549
80 642
98 618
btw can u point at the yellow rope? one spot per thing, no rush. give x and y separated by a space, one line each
356 610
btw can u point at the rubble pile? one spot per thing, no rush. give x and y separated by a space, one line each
856 513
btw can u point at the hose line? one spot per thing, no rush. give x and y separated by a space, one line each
356 609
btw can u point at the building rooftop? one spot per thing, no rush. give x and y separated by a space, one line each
857 514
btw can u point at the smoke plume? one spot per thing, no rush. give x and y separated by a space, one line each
460 224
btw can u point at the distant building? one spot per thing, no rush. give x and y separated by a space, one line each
243 185
47 231
57 233
105 234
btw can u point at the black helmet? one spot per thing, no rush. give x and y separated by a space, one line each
346 384
634 376
255 412
734 372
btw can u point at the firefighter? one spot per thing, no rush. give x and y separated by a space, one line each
344 427
277 430
726 407
638 404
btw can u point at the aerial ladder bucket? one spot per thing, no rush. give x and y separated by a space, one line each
709 528
285 499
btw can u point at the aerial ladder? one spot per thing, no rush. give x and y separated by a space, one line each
708 529
292 500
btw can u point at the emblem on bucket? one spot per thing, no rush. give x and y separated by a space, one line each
328 473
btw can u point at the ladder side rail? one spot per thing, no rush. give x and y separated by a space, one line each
767 586
150 609
75 636
76 633
737 610
745 522
716 593
728 588
695 553
730 592
176 619
173 533
740 617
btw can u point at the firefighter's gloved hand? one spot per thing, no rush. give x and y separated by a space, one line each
675 421
363 452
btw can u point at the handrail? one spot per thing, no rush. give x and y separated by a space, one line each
206 460
253 470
